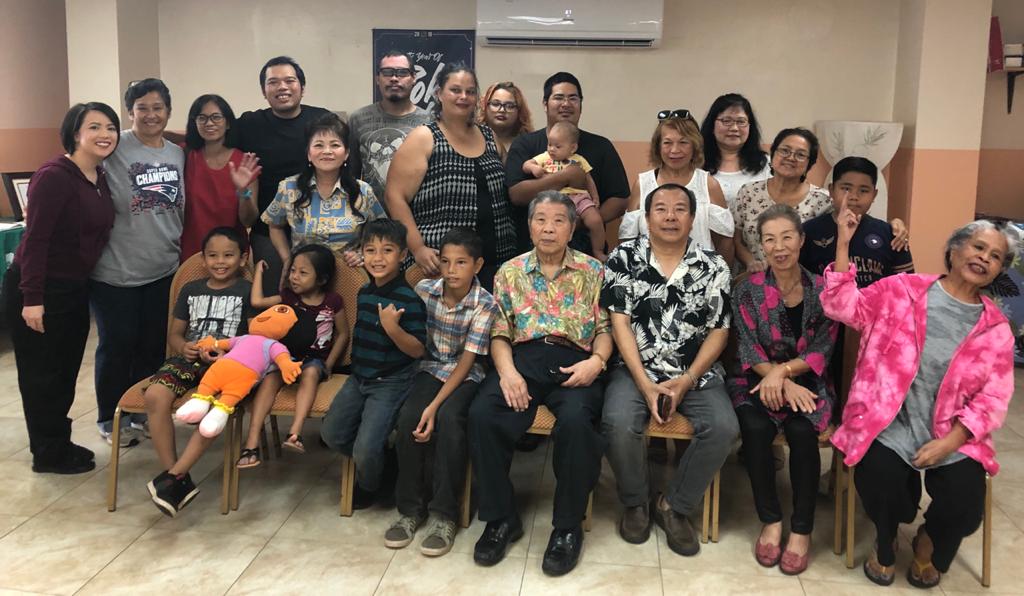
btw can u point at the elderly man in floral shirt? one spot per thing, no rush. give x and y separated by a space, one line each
669 305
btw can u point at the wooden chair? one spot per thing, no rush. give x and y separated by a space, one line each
845 488
679 428
132 402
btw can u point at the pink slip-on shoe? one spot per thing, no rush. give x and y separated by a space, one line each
767 555
794 564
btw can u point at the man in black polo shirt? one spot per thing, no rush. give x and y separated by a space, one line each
563 100
277 135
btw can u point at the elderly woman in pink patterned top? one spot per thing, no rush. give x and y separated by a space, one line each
934 379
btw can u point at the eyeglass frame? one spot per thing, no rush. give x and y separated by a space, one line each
734 122
216 118
786 153
394 72
506 106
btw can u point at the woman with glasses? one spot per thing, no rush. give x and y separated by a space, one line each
732 145
447 174
503 108
793 153
220 181
677 154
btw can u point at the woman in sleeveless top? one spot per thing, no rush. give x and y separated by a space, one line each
448 174
677 154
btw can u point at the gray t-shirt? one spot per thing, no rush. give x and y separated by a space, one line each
374 136
148 187
949 322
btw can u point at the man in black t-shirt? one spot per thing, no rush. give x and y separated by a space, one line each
563 100
277 135
854 182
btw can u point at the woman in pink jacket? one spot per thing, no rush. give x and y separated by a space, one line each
933 381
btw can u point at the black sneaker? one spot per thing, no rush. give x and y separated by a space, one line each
171 494
362 498
70 461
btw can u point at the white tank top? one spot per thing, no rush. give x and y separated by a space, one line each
708 218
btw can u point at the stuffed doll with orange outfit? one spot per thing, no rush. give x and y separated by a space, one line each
246 359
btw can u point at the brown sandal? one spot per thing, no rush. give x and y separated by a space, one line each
916 565
294 443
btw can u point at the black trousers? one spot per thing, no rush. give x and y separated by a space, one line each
132 328
433 472
758 432
48 363
494 429
890 490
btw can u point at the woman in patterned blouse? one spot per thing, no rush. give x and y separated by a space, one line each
782 385
448 174
324 203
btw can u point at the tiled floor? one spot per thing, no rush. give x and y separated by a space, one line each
56 536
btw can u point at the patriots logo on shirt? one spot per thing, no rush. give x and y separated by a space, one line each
169 191
824 242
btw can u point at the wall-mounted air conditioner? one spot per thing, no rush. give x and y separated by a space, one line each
570 23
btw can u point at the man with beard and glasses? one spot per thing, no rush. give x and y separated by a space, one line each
377 130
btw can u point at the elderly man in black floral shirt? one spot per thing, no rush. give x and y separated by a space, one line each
670 313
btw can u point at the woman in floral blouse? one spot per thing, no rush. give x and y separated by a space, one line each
783 385
324 203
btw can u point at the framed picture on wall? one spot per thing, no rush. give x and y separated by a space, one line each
16 187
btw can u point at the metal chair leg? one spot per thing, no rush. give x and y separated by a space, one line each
115 459
236 453
225 489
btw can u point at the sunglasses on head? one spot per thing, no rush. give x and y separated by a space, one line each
677 113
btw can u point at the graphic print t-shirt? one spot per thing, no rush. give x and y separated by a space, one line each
374 138
220 313
870 249
322 317
148 188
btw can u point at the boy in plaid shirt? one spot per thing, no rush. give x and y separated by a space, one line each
432 422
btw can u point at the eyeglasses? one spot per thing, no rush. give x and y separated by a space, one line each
786 153
559 98
394 72
677 113
730 122
215 118
506 106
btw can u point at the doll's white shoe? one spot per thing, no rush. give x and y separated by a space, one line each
213 423
193 410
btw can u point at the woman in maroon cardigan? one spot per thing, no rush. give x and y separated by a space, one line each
69 217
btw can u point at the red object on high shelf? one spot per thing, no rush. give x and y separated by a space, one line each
995 46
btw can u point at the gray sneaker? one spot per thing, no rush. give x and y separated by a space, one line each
126 438
400 534
440 538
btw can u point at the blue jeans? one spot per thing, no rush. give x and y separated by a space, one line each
360 419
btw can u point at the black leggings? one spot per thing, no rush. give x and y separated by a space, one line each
890 490
758 432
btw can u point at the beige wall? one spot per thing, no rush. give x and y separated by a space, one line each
785 59
92 60
1001 167
34 96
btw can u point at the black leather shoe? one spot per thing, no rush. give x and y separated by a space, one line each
71 462
563 552
635 525
496 539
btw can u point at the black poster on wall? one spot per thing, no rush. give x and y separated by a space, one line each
430 49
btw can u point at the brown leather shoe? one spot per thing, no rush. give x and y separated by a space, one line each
679 533
635 525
